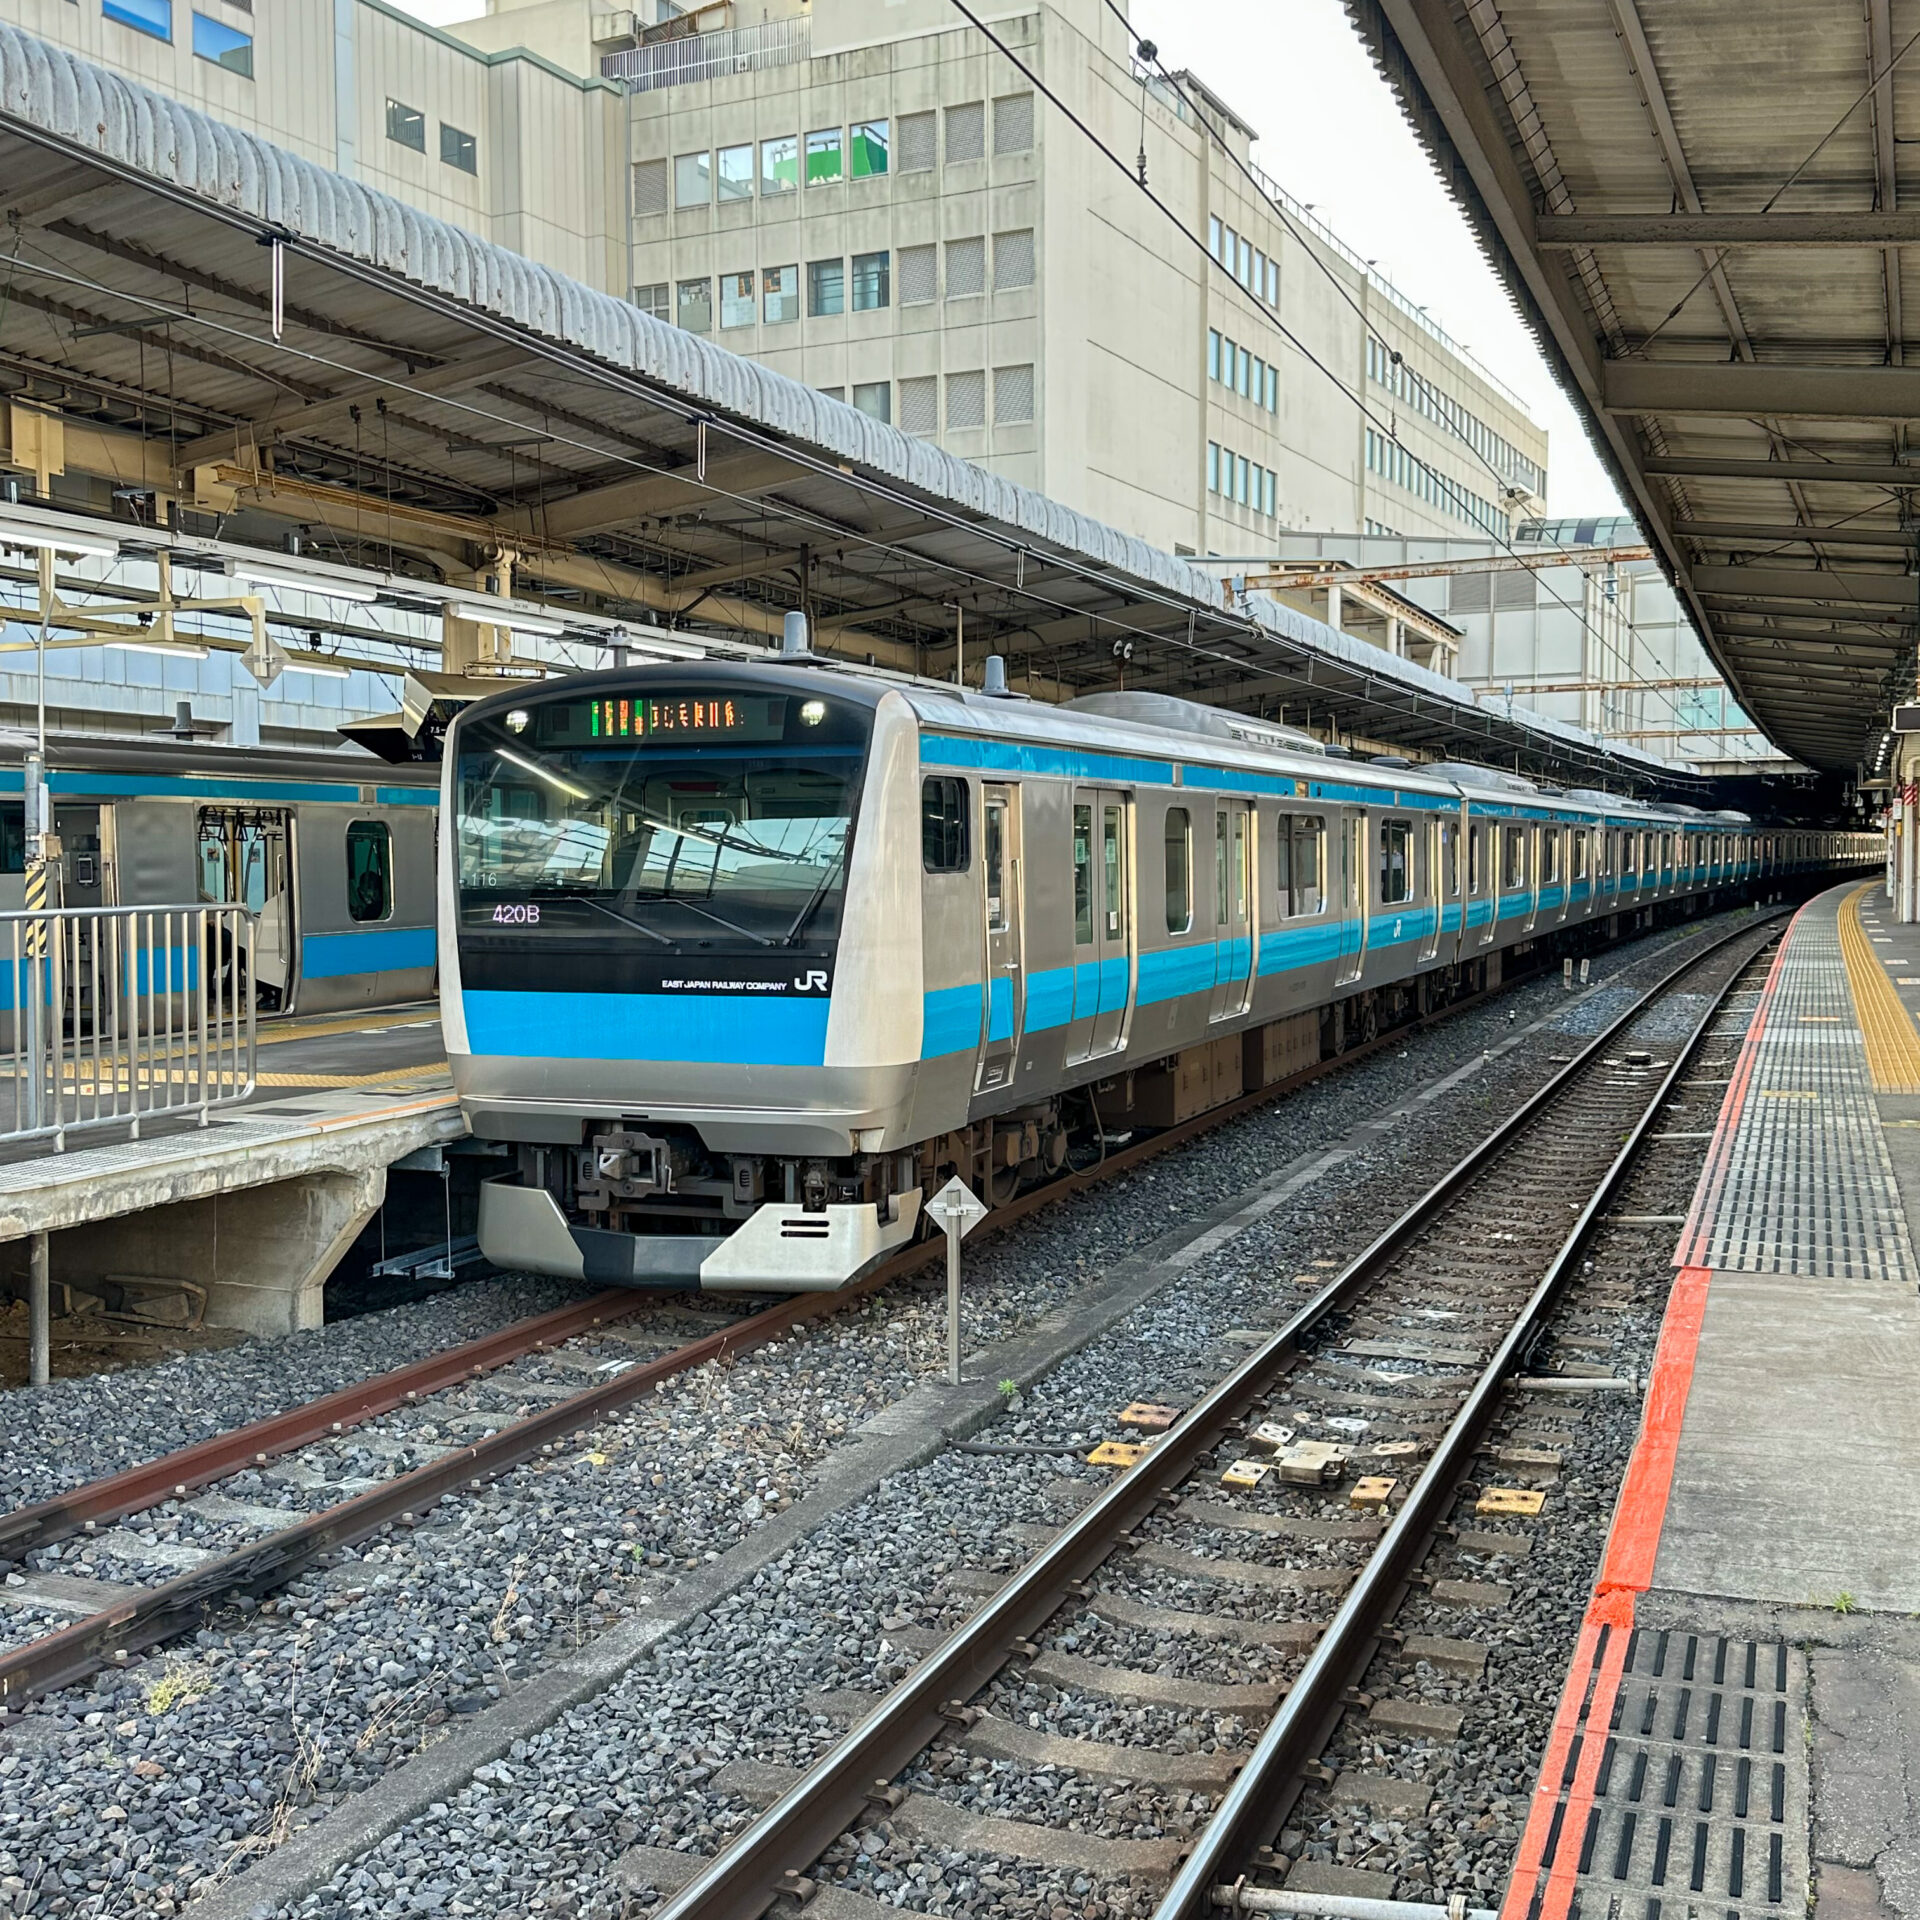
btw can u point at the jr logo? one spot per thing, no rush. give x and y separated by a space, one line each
814 980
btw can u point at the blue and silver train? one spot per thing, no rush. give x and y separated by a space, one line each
744 960
335 854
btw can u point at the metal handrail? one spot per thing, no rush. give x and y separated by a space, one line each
117 1015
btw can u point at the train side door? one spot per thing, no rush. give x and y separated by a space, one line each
1102 922
246 858
1353 899
1232 908
1530 875
1439 850
1004 1014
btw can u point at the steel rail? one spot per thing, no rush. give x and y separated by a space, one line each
157 1614
765 1860
175 1474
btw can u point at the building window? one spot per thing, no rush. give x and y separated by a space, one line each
1241 465
1259 272
1273 283
458 149
1246 262
966 400
834 393
966 267
1013 259
148 16
652 301
1213 354
649 187
872 282
736 299
919 275
823 157
920 404
733 171
967 132
406 126
1012 394
867 157
914 143
693 305
1213 466
369 871
1270 484
874 398
1013 123
826 288
225 46
692 179
1273 389
1177 838
780 288
780 165
1213 235
1243 373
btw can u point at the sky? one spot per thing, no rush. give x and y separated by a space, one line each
1332 135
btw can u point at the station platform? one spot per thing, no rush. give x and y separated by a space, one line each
256 1204
1739 1734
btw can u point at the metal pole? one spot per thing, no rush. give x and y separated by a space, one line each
953 1303
39 1313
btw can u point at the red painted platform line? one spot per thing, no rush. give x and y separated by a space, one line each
1548 1860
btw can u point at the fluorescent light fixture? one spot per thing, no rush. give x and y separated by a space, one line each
17 533
663 649
168 649
263 576
327 669
531 623
541 773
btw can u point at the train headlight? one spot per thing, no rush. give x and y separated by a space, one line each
517 720
813 713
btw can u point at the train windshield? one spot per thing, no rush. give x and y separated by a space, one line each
678 819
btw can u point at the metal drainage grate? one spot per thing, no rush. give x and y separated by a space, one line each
1700 1803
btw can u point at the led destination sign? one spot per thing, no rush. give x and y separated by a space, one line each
727 716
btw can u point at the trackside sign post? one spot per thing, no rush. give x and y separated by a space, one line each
958 1209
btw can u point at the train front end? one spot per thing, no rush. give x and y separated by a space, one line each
682 972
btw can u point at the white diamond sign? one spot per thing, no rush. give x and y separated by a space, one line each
957 1207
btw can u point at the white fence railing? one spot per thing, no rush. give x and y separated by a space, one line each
709 56
117 1015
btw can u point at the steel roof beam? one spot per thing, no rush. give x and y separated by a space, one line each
1745 390
1745 533
1849 473
1566 231
1897 590
1739 605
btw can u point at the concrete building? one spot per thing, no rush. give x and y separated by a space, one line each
1590 633
867 195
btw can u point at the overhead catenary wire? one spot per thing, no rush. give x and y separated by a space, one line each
1269 319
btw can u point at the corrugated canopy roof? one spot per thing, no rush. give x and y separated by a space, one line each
1700 211
427 401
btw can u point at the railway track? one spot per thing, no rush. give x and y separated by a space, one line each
1332 1463
255 1555
259 1555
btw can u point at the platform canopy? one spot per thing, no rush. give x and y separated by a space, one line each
1704 212
423 403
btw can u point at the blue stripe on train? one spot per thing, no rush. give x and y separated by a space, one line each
327 956
709 1029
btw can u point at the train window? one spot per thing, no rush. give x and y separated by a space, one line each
13 836
1549 856
369 871
1308 830
1513 858
1666 855
1220 867
1083 876
1283 864
1578 837
1113 859
1477 858
995 850
1179 857
943 824
1628 868
1449 860
1396 862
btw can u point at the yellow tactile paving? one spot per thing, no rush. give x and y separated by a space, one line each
1892 1040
